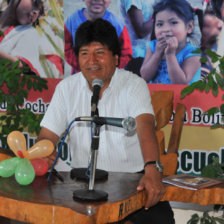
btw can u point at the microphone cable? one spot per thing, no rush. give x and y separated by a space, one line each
59 149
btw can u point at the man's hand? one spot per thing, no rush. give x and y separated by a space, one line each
47 134
50 159
152 183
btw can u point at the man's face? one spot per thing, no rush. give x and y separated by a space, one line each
97 61
97 6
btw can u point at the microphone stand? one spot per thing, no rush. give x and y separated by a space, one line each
94 152
90 194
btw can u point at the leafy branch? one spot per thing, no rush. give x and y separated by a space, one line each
205 219
15 84
212 82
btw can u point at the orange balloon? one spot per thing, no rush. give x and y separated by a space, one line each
17 143
41 149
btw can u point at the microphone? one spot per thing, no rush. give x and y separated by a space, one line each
97 84
127 123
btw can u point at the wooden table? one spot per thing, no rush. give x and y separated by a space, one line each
43 202
206 196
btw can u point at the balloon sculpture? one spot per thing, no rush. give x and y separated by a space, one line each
27 163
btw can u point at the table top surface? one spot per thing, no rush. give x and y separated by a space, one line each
54 198
121 189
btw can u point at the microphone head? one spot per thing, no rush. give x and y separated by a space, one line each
97 82
129 124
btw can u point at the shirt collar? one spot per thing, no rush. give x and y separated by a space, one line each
113 80
85 84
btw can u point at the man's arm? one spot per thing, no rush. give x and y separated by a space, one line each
152 180
47 134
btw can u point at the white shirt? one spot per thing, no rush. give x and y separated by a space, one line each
127 95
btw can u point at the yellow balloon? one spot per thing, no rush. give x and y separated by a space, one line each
41 149
17 143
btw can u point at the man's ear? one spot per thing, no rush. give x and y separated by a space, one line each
190 26
117 60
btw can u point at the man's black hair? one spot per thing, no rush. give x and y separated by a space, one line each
100 31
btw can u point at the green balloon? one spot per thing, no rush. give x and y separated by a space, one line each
24 173
8 166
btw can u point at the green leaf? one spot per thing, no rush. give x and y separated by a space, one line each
187 90
194 219
221 65
208 171
219 80
214 126
222 109
197 51
202 85
29 84
215 89
203 60
213 55
212 111
207 88
1 33
221 221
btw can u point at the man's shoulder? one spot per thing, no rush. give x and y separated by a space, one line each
71 81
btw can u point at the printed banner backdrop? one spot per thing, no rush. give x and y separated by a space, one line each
198 142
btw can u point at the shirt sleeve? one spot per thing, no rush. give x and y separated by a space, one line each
140 99
55 117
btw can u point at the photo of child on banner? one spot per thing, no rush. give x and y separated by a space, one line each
137 16
211 31
170 58
218 8
92 11
26 36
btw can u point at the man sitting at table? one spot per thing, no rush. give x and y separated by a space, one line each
123 94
